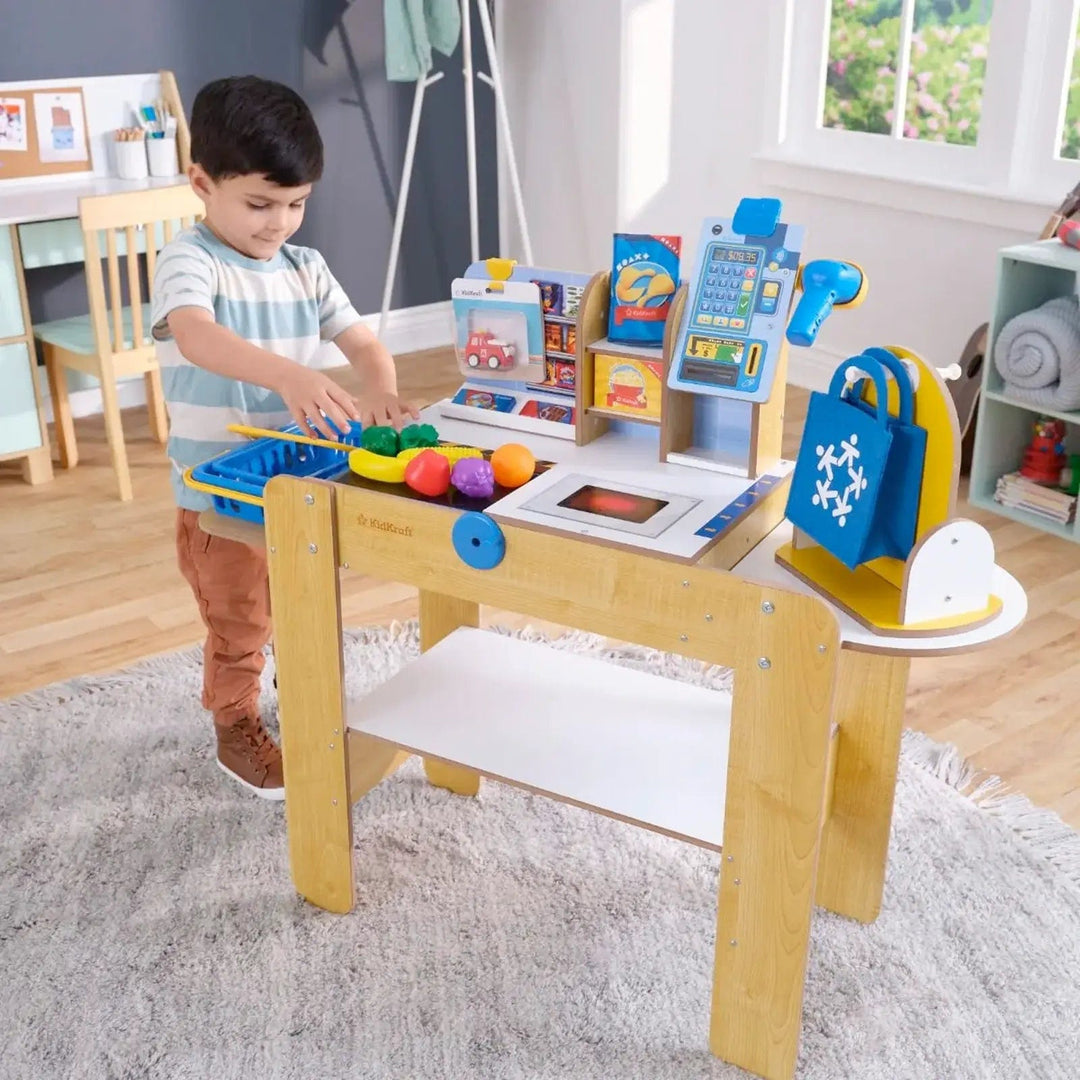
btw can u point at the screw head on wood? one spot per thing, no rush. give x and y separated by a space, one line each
708 618
313 548
733 943
686 584
738 881
309 499
768 607
731 858
273 550
344 566
333 802
684 637
823 648
764 663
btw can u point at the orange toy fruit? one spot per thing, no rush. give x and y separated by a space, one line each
513 465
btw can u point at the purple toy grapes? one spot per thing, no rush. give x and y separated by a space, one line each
473 477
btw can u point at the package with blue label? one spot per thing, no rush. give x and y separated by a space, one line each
644 277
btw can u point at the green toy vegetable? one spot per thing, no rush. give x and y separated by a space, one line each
381 440
416 435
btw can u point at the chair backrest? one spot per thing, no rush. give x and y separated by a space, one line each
152 213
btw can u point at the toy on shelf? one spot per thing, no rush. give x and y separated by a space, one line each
733 331
825 284
517 340
1044 457
873 501
484 349
1069 233
644 277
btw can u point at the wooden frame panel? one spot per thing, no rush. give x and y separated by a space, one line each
784 647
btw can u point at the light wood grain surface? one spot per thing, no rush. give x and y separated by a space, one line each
89 585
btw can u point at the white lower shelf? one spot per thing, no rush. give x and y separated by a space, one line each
640 747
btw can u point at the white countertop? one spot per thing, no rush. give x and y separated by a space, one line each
54 199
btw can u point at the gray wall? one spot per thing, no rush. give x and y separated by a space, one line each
363 119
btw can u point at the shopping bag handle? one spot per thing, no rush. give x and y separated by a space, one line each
875 371
898 368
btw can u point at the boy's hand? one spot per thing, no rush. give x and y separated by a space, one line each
313 398
384 408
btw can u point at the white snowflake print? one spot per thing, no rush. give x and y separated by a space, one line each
828 461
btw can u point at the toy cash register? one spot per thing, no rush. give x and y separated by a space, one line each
737 307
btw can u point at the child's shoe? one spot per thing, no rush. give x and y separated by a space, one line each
246 752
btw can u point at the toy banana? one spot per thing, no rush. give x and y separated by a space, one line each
391 470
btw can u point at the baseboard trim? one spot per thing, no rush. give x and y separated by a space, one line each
412 329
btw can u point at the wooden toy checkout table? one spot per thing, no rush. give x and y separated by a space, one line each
791 778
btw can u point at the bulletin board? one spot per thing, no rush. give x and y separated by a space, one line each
43 132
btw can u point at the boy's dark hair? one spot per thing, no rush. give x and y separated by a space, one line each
244 124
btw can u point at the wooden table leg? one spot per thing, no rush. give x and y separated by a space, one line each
778 759
37 466
306 601
855 841
440 616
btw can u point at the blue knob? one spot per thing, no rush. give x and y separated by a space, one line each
478 540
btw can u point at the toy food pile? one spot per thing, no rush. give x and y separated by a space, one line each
414 457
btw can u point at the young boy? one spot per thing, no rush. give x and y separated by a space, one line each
238 317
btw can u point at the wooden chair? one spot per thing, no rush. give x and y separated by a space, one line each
113 340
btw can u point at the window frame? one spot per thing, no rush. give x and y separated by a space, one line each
1019 137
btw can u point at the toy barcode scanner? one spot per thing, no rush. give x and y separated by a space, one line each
1069 233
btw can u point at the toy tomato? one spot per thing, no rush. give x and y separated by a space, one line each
428 473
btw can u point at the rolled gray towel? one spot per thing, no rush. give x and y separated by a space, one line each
1038 355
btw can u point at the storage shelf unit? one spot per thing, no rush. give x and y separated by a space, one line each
1028 275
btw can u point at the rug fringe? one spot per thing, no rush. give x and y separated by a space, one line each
1044 830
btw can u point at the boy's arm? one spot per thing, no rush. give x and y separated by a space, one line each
371 360
309 395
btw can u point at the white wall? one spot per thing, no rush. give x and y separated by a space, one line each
932 278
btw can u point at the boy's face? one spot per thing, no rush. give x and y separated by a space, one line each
250 213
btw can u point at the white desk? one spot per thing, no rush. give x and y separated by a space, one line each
39 226
53 200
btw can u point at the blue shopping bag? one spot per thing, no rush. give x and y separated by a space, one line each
855 489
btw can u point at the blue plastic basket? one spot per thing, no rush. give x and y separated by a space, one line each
245 470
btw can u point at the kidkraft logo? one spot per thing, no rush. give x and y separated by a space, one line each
473 290
381 525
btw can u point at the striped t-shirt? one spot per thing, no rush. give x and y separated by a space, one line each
287 305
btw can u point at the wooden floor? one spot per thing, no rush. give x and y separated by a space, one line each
88 584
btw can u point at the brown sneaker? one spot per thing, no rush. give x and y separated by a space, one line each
246 752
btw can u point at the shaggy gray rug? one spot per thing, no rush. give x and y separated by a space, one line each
148 927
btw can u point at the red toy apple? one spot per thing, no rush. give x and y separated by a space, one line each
428 473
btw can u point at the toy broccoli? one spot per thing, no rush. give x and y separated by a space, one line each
381 440
416 435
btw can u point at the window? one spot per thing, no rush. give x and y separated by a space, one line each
971 93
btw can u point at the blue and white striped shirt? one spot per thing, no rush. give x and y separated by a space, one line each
287 305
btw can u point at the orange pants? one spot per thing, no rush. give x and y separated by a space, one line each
230 583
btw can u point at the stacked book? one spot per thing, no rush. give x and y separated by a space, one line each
1017 491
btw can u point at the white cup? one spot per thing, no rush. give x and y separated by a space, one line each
130 159
162 155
